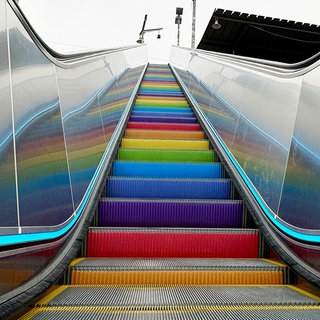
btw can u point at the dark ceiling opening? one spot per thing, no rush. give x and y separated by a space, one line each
260 37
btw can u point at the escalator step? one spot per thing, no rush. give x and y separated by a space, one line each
118 187
193 277
165 103
150 213
178 296
155 119
165 144
163 109
163 134
173 243
164 126
154 92
166 155
104 271
160 114
166 170
288 311
163 95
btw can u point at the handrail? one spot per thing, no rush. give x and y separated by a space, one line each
272 234
62 60
268 66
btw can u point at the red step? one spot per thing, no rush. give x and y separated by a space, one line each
169 243
163 126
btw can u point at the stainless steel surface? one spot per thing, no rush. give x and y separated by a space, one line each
267 119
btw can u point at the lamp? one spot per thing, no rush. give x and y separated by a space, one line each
216 25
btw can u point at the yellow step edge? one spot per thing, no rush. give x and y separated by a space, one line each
165 144
50 296
180 277
163 134
167 309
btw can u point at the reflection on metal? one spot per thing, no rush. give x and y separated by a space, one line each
267 124
59 138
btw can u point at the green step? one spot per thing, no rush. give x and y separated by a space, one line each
166 155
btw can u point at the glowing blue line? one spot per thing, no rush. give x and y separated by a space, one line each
308 150
27 122
292 233
257 196
88 102
244 117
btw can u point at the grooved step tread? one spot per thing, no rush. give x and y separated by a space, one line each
166 155
175 296
163 134
165 169
173 242
165 144
176 271
291 312
123 187
122 212
164 126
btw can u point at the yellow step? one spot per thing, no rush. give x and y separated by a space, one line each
163 134
165 144
185 277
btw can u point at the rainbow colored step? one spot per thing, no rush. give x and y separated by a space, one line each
166 198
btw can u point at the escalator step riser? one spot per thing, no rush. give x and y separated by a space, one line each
153 114
163 95
165 144
154 93
168 188
164 109
166 155
117 213
174 245
164 126
166 170
221 277
161 103
155 119
160 134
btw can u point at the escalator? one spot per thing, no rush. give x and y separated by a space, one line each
172 238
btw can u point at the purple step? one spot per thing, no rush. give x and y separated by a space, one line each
162 119
115 212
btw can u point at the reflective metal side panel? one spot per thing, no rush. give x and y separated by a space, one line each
9 217
300 204
268 119
43 181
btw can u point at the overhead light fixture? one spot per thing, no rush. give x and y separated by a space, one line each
144 31
216 25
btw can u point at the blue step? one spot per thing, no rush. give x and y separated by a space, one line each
120 187
167 170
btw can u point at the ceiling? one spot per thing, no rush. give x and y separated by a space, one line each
261 37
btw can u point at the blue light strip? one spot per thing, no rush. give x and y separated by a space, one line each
49 235
5 140
257 196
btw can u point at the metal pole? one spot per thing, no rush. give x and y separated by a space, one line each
178 36
193 36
